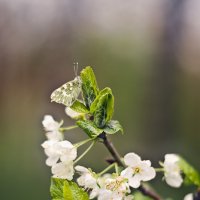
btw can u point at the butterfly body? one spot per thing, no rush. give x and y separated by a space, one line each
68 92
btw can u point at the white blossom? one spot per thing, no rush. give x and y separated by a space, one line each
102 179
52 128
50 124
188 197
137 170
114 189
51 149
172 170
88 180
63 150
73 114
63 170
68 151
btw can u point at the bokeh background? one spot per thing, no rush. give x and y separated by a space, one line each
148 52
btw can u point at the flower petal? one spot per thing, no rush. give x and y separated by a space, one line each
148 174
54 136
188 197
94 193
127 173
63 170
71 113
69 155
171 158
131 159
50 161
105 194
174 180
134 181
68 151
50 124
81 169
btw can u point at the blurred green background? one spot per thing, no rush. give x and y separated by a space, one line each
148 52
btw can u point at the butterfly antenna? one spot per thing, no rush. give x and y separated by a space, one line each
76 68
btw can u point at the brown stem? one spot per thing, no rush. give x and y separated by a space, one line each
109 145
113 151
149 193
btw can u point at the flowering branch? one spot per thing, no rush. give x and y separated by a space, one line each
115 154
93 114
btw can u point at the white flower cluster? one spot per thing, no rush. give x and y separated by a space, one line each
61 153
117 187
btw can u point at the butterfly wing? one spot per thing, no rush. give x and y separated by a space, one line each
67 93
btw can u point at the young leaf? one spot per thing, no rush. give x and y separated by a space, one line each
112 127
103 107
89 86
73 192
191 174
79 107
95 102
66 190
89 128
56 189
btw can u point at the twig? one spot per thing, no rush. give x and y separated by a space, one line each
149 193
112 149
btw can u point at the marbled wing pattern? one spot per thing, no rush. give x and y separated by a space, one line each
67 93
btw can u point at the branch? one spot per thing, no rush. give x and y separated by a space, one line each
113 151
149 193
109 145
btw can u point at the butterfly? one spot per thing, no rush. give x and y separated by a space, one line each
68 92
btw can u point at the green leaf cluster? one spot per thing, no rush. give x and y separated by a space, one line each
97 105
66 190
192 177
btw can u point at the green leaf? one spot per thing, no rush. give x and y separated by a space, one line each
112 127
73 192
103 107
89 86
96 101
89 127
56 189
66 190
191 174
79 107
